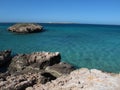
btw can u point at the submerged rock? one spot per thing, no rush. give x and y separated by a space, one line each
5 57
25 28
82 79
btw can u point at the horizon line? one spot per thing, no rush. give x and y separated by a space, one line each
64 23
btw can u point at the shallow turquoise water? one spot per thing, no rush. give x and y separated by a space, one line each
91 46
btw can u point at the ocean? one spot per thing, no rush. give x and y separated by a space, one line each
81 45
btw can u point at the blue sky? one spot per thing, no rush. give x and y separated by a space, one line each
79 11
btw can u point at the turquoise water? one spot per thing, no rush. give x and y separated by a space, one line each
91 46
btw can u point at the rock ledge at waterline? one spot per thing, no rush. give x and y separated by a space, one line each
26 70
45 71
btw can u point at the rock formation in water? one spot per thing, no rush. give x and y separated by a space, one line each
25 28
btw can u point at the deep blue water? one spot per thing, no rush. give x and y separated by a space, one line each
91 46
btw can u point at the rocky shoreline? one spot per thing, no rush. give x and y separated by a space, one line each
26 70
45 71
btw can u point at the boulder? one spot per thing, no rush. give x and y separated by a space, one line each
26 28
5 57
60 69
33 62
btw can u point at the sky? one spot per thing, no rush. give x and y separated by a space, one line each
73 11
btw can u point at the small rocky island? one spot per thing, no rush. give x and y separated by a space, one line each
45 71
26 28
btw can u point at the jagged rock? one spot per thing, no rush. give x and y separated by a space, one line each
26 70
5 57
60 69
25 28
17 82
20 82
82 79
34 61
38 71
3 76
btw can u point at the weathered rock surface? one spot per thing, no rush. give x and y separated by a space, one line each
60 69
20 82
44 71
25 28
25 70
5 57
82 79
33 62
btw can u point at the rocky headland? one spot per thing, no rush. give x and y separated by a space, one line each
45 71
26 28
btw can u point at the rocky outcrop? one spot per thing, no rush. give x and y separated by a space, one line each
22 81
33 62
82 79
5 57
60 69
25 70
25 28
44 71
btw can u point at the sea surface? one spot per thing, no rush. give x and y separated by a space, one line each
82 45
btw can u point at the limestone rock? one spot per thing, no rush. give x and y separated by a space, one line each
34 61
83 79
39 70
25 28
20 82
